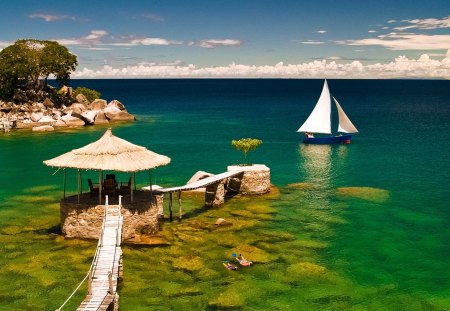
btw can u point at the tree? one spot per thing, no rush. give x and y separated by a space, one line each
29 61
245 145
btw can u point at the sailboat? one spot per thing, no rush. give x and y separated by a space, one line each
319 121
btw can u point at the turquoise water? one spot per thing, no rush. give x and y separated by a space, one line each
354 227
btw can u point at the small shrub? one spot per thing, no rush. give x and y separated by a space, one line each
90 94
245 145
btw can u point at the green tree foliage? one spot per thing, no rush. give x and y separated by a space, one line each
90 94
245 145
28 61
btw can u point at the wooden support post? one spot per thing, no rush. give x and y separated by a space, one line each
100 186
79 185
90 282
179 203
64 195
111 290
132 186
151 189
170 205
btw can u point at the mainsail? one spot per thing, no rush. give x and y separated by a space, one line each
345 125
319 121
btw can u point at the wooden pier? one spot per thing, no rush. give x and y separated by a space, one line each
106 266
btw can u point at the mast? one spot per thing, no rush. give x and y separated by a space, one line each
345 125
319 121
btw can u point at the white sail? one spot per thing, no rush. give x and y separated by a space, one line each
319 121
345 125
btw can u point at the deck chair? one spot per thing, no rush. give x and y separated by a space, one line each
93 188
110 187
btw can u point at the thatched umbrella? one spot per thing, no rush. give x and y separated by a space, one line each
110 153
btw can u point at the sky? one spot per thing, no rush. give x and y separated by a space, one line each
240 38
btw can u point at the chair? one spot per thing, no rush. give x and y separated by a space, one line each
94 188
110 187
126 185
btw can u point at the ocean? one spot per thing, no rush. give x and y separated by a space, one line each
363 226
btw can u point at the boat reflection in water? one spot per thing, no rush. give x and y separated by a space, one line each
321 166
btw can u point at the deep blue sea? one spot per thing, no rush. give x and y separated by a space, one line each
363 226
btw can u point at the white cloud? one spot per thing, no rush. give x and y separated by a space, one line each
372 31
153 41
51 17
4 44
153 17
405 41
391 21
400 67
214 43
427 23
310 42
320 31
94 37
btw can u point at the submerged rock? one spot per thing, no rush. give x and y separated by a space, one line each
364 193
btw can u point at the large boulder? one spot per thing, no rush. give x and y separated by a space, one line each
48 103
81 117
77 107
72 121
98 104
46 119
89 116
82 99
36 116
65 91
120 116
100 118
60 123
117 104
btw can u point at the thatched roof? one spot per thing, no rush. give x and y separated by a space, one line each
110 153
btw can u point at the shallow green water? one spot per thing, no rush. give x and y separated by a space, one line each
358 227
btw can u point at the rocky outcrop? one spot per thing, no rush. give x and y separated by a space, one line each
74 114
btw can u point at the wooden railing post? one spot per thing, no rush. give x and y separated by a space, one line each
90 282
111 290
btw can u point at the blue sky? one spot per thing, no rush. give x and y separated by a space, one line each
294 39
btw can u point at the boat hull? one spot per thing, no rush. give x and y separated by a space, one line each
343 139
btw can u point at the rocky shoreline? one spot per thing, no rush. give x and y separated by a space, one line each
45 116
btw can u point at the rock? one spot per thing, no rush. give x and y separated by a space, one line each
65 90
60 123
82 99
117 104
46 119
199 175
89 116
78 108
365 193
48 103
72 121
222 222
98 104
81 117
6 107
36 116
100 118
120 116
43 128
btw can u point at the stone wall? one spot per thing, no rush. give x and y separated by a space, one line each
215 194
255 180
85 220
